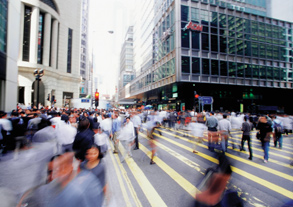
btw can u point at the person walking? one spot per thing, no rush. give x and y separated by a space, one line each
212 124
116 127
126 137
246 128
278 129
265 131
136 123
225 129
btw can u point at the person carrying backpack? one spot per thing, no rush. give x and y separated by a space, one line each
278 132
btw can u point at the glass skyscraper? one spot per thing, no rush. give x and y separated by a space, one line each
225 49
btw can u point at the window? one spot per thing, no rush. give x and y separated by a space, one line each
184 37
214 43
41 37
184 13
223 68
255 71
232 69
69 51
3 25
195 66
195 40
240 70
223 44
206 66
26 33
205 41
185 64
195 15
215 67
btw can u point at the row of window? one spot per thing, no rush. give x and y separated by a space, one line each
229 22
232 69
163 71
26 39
233 46
3 25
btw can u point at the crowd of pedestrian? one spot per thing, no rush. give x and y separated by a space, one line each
47 152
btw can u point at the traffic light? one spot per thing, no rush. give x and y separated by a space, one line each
97 96
195 95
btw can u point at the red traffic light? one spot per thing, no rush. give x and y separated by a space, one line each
97 94
196 96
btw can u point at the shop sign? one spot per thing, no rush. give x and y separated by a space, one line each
193 26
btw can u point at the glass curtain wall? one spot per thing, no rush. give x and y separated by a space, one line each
235 36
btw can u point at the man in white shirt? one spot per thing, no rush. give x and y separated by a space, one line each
225 129
65 134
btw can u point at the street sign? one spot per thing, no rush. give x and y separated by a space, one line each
206 100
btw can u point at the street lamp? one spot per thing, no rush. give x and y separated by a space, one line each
38 74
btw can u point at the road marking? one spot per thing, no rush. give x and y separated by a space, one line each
275 172
255 155
121 184
179 179
150 192
249 176
127 180
197 167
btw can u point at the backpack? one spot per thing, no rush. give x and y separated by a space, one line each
278 128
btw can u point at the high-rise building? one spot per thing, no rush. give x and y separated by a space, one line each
85 86
240 58
127 73
9 48
50 39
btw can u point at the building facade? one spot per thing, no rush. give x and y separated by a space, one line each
9 48
240 59
85 72
50 39
126 73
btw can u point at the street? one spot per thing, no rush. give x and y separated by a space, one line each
174 179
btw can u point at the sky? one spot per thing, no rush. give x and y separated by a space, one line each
105 16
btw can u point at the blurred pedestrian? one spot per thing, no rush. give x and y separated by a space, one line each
246 128
116 128
225 129
278 130
126 137
265 131
212 124
94 163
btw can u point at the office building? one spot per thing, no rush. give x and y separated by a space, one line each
240 58
50 39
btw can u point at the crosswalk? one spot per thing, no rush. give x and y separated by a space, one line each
174 179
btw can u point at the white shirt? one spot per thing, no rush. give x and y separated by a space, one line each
106 125
65 133
101 139
197 129
6 124
127 132
224 125
136 120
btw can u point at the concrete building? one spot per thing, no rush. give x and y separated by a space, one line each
50 39
239 58
9 47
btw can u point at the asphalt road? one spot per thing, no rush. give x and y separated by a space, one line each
175 178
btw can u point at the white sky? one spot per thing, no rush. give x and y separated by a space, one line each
104 16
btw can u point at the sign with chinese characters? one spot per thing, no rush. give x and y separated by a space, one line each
193 26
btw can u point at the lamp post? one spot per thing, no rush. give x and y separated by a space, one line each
38 74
